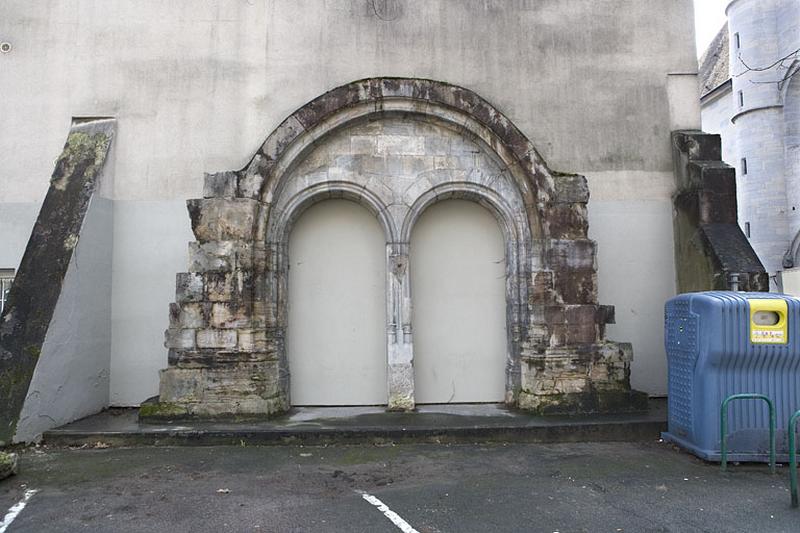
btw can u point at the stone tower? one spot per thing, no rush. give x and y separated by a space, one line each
766 123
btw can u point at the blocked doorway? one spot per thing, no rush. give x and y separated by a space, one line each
336 344
458 271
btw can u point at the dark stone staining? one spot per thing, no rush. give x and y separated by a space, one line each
593 401
571 254
571 188
543 289
162 411
577 286
38 284
568 221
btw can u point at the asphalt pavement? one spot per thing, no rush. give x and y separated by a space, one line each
573 487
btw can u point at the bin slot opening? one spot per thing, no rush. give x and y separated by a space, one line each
766 318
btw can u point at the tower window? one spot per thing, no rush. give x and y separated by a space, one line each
747 229
737 43
6 277
744 166
741 99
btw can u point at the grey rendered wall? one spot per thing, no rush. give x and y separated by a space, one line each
150 243
716 118
16 221
196 87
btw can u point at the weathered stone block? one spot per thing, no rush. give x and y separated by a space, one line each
570 385
558 336
216 338
192 315
226 256
582 333
571 254
554 314
282 137
174 315
179 339
606 314
222 219
598 373
571 188
401 386
577 286
226 286
216 358
616 352
229 315
219 185
255 389
581 315
543 287
211 256
189 287
252 340
252 181
568 221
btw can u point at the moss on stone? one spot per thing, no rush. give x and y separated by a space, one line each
33 350
589 402
80 146
162 411
8 464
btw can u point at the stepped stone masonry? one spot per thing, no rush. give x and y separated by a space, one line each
713 250
396 146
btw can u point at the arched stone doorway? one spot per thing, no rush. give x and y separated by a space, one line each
387 143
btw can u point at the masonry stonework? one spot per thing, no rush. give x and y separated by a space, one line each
395 146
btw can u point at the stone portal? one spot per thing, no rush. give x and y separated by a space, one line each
396 146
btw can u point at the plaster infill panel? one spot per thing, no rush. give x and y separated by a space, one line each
336 340
457 267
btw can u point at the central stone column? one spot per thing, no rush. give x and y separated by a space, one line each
400 346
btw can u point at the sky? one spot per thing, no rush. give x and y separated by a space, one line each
709 16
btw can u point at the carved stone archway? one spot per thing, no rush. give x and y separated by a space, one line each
226 335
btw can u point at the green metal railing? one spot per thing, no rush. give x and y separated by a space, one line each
793 457
723 429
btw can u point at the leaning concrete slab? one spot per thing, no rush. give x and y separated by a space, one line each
55 328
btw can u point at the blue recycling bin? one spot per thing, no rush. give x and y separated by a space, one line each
724 343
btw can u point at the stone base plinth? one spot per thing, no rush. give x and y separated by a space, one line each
587 402
250 390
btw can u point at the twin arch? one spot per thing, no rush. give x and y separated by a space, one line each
556 345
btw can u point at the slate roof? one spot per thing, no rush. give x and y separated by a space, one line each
714 64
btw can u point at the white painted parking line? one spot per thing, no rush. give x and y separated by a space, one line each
401 524
14 511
